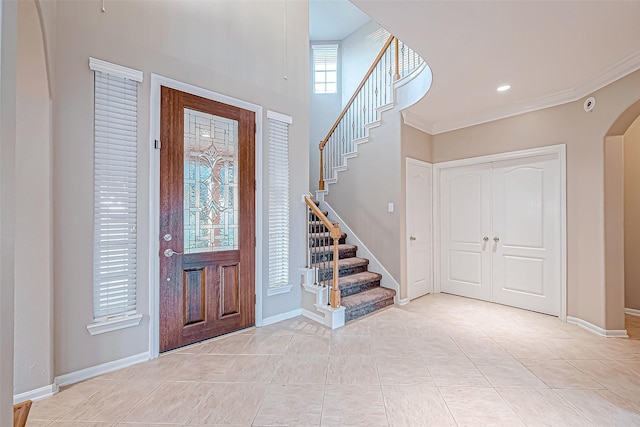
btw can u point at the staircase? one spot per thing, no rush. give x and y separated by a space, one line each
360 290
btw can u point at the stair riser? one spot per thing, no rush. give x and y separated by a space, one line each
324 241
356 288
356 312
328 256
327 273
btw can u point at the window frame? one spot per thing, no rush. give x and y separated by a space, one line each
319 47
105 322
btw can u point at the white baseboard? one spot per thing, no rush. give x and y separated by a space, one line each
37 394
85 374
611 333
632 311
280 317
403 301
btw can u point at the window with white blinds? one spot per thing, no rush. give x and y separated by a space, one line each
325 68
115 190
278 203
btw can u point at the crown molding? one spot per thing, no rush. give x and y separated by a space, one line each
620 69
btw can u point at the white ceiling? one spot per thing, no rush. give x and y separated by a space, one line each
550 52
334 19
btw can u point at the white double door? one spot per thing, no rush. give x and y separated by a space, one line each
500 232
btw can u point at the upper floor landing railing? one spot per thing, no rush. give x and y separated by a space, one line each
394 62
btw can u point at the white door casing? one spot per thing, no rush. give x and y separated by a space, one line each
419 228
527 218
465 225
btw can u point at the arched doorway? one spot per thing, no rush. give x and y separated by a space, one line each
622 220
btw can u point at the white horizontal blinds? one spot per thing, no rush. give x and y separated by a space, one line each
115 195
278 200
325 68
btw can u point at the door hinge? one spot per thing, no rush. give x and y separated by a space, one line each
157 144
255 299
255 184
255 128
255 241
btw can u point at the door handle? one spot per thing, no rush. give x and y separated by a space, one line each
485 239
496 239
170 252
412 238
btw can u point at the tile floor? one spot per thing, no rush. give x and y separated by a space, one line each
439 361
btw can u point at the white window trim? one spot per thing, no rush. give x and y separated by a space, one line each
131 319
108 325
313 69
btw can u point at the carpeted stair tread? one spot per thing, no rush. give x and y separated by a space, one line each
368 297
358 278
344 263
342 248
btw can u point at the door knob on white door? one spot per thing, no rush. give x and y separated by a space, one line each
485 238
496 239
412 238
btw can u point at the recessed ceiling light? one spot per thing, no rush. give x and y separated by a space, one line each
503 88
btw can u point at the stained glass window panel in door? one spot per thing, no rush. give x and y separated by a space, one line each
211 205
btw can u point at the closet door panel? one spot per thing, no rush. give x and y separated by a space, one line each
465 221
526 228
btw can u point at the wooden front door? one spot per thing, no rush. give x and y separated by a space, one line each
207 219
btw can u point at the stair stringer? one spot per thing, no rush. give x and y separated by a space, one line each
363 251
314 303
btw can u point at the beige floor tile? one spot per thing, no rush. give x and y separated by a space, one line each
345 345
482 348
55 406
353 405
305 369
253 368
437 346
602 407
355 327
394 346
475 406
415 405
524 348
152 370
201 367
609 374
447 372
291 405
38 423
308 344
403 370
113 403
352 370
560 374
263 344
574 348
507 373
172 402
233 344
542 407
227 403
387 328
76 424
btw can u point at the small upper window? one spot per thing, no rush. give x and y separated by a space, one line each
325 68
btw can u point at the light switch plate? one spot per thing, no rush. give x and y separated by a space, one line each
390 207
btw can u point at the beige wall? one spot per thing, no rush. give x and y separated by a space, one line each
632 216
8 29
240 49
614 231
33 228
583 133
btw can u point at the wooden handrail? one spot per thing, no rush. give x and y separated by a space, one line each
335 233
355 94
